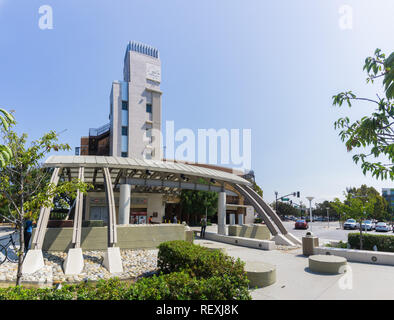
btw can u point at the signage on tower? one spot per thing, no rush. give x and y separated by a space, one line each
153 72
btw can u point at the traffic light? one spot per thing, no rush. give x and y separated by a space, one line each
298 194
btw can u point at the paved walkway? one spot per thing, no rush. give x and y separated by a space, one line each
295 281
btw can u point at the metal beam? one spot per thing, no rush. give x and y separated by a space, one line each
120 173
77 228
177 184
44 216
109 193
94 176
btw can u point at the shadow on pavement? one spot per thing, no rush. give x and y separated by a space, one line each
306 269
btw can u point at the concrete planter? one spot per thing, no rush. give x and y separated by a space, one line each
245 242
373 257
253 231
129 237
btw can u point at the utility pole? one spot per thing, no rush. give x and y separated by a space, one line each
328 217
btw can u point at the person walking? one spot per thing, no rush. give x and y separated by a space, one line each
28 231
203 226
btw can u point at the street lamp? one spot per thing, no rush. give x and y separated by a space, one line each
328 217
310 209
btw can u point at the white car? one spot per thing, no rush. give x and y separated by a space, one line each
367 225
351 224
382 227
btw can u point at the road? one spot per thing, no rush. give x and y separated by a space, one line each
321 230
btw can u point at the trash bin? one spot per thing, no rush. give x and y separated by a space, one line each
308 243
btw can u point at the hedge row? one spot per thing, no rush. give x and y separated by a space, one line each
198 261
174 286
382 242
187 272
204 263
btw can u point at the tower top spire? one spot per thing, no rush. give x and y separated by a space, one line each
142 48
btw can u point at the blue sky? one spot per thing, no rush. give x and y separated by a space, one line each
271 66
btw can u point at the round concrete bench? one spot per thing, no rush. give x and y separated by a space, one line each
214 247
260 274
222 250
326 263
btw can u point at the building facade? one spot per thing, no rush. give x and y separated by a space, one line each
135 105
388 194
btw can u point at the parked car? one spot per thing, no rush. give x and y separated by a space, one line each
351 224
382 227
301 224
367 225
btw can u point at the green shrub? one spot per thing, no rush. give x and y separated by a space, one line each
181 286
203 263
198 261
382 242
340 244
189 272
173 286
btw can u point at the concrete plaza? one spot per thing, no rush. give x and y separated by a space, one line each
295 281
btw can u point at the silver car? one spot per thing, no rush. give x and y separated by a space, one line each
367 225
351 224
382 227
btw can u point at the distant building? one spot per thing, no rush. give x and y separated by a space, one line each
388 194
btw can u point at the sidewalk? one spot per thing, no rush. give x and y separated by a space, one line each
295 281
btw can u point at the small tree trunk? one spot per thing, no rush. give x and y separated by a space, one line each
361 235
21 236
20 253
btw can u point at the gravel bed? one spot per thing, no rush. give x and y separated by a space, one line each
136 263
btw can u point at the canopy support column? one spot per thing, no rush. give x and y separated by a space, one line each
112 259
222 213
74 264
34 259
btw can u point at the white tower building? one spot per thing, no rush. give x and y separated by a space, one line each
135 105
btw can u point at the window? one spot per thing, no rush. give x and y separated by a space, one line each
148 155
124 154
125 105
148 108
124 131
148 134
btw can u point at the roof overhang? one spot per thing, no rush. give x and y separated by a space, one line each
159 169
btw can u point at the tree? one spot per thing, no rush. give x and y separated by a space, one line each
5 152
23 182
373 132
256 188
380 209
285 209
199 202
356 207
339 208
321 210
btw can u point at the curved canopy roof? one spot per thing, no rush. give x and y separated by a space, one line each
142 164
